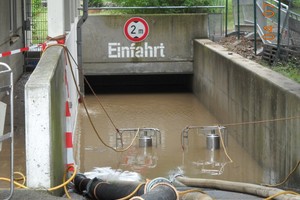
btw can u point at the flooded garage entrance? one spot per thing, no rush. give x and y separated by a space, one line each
170 113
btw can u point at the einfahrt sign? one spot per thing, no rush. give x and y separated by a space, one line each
136 30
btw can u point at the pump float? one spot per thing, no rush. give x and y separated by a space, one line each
145 136
212 134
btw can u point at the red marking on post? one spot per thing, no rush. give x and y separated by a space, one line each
68 113
69 142
70 167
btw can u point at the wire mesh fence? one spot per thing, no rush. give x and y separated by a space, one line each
243 15
276 22
36 16
215 26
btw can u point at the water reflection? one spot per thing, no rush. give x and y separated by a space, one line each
211 165
139 159
212 161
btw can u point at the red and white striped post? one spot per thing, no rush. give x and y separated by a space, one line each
69 138
69 129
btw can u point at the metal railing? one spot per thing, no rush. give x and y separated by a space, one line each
131 132
215 14
268 16
153 7
211 164
204 130
278 28
6 75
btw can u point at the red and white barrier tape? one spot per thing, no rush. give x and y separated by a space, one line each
8 53
43 46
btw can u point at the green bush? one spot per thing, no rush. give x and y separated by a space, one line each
95 3
296 3
197 2
36 2
163 2
148 3
290 69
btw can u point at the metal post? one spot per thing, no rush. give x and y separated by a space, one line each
279 24
238 16
226 18
79 44
255 47
10 135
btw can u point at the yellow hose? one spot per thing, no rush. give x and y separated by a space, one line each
281 193
286 179
15 182
67 182
23 178
65 187
68 55
133 192
223 145
64 184
181 193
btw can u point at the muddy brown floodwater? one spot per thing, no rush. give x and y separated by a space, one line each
170 113
19 133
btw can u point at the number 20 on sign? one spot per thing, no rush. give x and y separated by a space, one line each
269 35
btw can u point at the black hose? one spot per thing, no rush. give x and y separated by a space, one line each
99 189
81 182
95 189
160 191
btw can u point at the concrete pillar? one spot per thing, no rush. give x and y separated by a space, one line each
67 15
56 18
72 11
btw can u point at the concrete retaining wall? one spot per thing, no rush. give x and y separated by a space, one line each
238 90
45 99
46 92
164 31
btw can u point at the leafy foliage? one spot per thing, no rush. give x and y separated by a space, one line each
154 3
95 3
37 7
290 69
296 3
162 2
36 2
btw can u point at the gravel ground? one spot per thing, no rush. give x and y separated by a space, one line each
29 195
243 46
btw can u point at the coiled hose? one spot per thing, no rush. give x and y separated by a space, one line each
99 189
157 189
